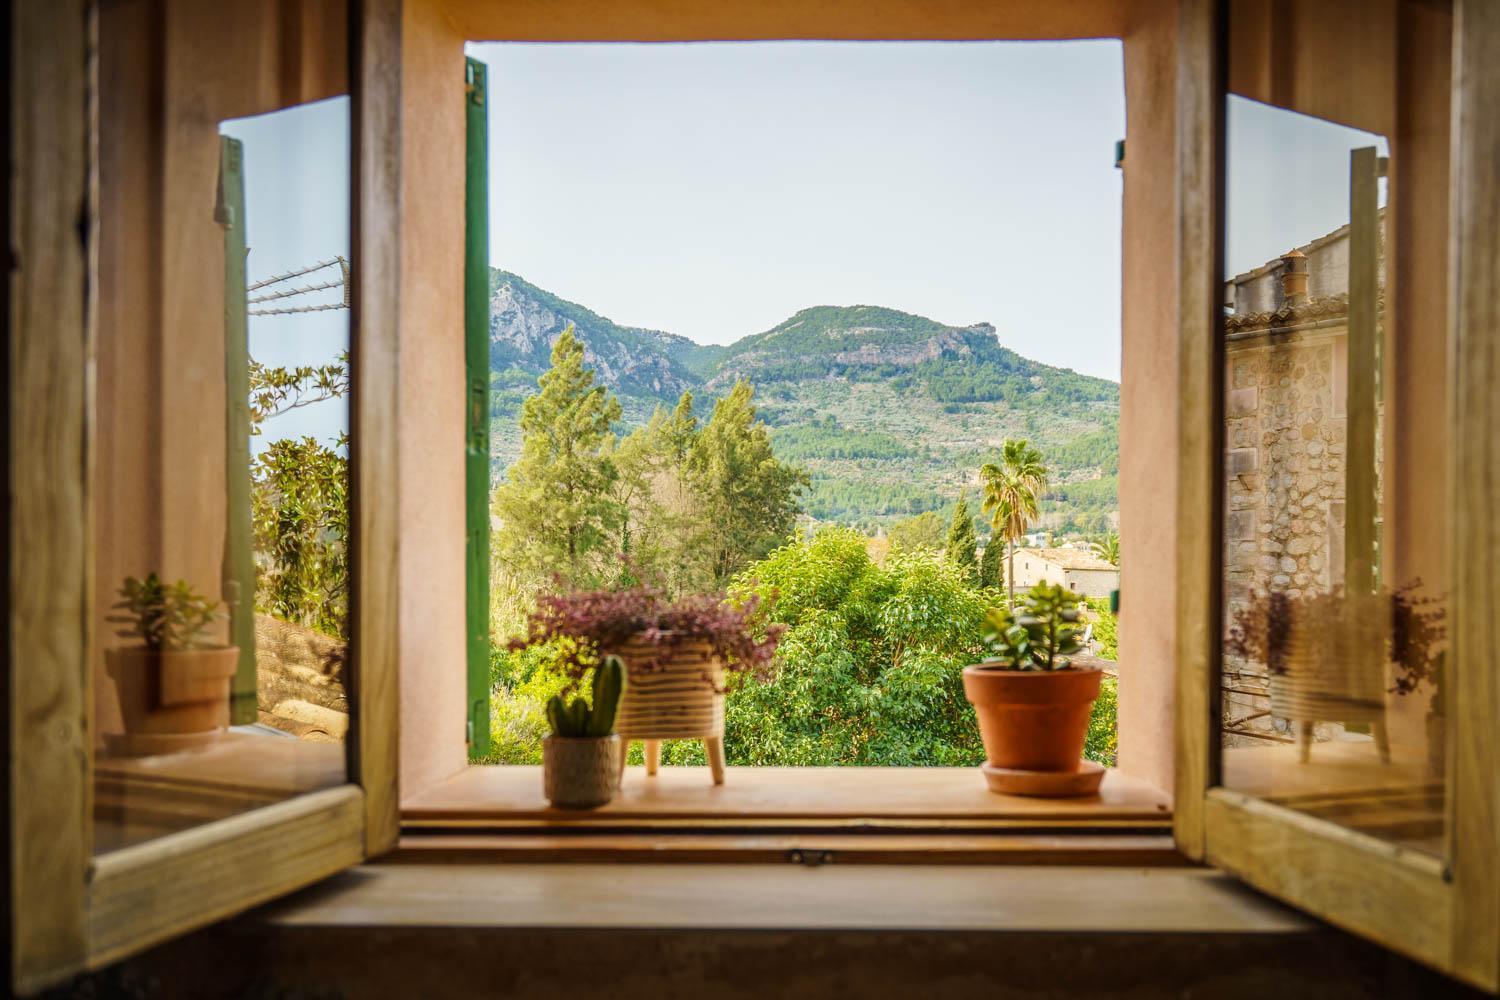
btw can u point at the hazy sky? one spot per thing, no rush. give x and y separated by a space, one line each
1287 180
712 190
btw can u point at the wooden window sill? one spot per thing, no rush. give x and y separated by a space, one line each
508 799
729 897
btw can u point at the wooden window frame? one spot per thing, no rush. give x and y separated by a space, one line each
1441 911
69 910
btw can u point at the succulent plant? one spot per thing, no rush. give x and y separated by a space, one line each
575 719
1041 634
164 616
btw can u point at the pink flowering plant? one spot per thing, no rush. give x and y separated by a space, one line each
593 623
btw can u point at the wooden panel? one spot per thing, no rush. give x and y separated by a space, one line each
149 893
808 796
1331 59
48 363
1475 348
1396 897
692 20
1200 101
812 849
693 896
375 356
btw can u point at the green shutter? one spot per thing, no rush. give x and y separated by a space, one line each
477 370
239 567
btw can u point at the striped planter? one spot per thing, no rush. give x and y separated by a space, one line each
1335 671
674 691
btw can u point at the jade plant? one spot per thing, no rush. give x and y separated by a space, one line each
165 616
1041 633
576 719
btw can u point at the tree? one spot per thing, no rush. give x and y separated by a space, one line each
749 497
962 547
557 514
299 502
663 529
990 574
921 531
1012 491
1107 548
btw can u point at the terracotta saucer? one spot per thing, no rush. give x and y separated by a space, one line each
1045 784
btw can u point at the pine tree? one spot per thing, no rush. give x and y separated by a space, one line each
991 564
663 529
962 546
749 498
557 514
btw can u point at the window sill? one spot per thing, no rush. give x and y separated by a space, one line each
760 798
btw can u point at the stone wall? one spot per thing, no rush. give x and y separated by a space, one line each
1284 488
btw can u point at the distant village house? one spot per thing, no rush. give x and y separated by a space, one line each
1081 572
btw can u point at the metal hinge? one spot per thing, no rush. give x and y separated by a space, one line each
812 859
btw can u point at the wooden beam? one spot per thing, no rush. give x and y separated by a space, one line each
1361 483
48 362
1472 683
375 611
1200 102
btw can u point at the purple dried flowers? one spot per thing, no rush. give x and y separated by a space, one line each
604 620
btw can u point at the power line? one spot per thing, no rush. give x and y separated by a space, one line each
275 279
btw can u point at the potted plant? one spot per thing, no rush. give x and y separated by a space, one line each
173 687
1326 653
581 759
677 656
1034 697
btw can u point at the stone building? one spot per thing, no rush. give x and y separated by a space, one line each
1286 401
1081 572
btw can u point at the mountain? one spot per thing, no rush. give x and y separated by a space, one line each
891 413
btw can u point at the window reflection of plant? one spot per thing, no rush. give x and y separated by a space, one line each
299 502
1414 630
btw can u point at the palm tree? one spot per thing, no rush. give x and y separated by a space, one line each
1107 548
1012 490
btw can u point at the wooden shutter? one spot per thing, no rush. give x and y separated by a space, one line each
477 376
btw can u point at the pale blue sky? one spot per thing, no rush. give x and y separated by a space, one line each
297 191
712 190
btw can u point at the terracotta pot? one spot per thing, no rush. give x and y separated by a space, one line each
675 691
580 772
1034 720
173 691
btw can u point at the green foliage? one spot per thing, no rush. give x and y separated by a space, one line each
1106 628
1101 745
1038 635
594 718
962 545
1107 547
557 516
825 439
869 671
277 390
164 616
1011 492
299 503
299 514
748 497
921 531
991 564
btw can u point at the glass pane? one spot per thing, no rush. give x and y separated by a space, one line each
1334 473
221 512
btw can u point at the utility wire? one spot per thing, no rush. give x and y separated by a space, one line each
275 279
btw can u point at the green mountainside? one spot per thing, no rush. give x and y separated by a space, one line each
890 413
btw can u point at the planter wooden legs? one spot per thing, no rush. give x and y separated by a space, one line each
713 746
713 749
1377 729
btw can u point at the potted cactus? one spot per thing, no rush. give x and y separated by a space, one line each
173 686
1034 697
677 655
581 759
